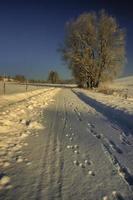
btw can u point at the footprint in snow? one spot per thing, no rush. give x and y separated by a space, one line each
87 162
92 125
91 173
76 162
76 151
74 147
82 165
19 159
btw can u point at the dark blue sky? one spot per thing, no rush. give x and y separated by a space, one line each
31 31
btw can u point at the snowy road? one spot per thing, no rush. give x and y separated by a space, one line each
80 155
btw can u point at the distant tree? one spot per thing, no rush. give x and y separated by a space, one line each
94 48
36 81
53 77
67 81
32 81
20 78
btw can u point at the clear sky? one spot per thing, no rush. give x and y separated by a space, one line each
31 31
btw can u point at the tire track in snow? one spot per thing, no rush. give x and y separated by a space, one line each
57 161
50 183
52 165
43 179
43 161
61 160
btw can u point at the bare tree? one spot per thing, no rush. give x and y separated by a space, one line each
94 48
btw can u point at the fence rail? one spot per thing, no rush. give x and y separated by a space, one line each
13 87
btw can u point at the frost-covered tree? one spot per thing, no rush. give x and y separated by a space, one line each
94 48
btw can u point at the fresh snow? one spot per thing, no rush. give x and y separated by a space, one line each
65 144
17 120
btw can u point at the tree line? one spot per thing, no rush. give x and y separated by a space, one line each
53 78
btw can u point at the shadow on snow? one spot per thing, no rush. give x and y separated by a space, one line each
119 117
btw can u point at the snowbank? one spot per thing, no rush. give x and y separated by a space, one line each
6 100
19 120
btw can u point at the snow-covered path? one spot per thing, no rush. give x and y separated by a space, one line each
80 155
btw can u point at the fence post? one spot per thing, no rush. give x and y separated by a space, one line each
4 87
26 85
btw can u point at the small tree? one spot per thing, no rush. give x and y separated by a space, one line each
53 77
94 48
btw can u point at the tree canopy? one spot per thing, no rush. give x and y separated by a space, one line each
94 48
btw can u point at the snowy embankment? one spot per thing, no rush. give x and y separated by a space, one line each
119 103
6 100
115 108
20 114
122 87
124 84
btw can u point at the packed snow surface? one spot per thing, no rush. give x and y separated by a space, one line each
65 144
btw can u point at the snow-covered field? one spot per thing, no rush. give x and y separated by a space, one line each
66 144
124 83
122 87
13 88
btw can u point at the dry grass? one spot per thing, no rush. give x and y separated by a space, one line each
108 90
